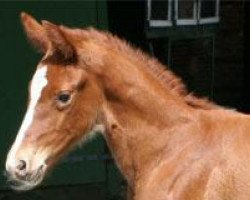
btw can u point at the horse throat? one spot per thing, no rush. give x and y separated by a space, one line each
138 116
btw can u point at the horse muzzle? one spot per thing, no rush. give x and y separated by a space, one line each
21 179
25 170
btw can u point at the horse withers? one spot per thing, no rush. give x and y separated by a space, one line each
168 143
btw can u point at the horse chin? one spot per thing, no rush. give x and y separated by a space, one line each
20 185
26 184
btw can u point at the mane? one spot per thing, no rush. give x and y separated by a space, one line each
169 80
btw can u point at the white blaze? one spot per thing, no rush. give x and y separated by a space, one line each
39 81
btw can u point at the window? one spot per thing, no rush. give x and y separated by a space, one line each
159 13
186 12
208 11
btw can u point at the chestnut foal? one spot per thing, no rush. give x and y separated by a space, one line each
168 144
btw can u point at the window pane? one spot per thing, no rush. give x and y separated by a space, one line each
208 8
186 9
159 9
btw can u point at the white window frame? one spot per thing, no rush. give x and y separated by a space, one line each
160 23
209 20
186 21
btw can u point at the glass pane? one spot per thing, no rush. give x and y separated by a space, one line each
186 9
159 9
208 8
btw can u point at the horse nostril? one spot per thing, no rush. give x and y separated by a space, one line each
21 165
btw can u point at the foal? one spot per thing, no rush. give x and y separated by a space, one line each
168 144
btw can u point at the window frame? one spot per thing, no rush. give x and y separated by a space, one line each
159 23
173 19
209 20
186 21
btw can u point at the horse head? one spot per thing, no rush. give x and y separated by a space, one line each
64 105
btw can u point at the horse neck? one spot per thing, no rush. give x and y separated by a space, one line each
138 114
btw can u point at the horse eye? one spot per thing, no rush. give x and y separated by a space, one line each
63 97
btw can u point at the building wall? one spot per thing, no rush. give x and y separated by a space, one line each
229 65
191 58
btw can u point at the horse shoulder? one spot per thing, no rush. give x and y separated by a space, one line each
230 179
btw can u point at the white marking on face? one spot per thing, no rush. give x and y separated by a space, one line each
39 81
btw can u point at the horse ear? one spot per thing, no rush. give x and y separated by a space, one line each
60 45
35 32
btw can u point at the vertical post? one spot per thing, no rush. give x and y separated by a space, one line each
151 48
213 63
169 52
